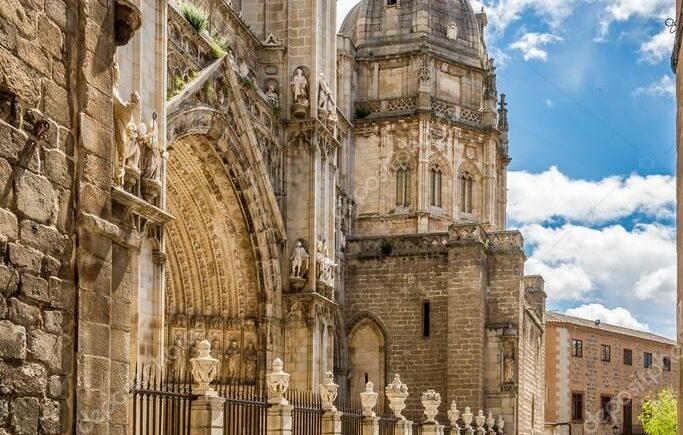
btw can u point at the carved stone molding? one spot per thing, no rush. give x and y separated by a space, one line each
127 21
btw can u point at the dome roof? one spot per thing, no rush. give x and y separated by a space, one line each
448 25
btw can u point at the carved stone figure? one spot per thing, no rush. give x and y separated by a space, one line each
177 358
216 353
324 95
300 103
452 32
124 125
509 364
271 93
244 69
232 359
325 266
153 151
250 356
299 260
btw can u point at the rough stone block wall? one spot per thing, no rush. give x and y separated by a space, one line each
392 289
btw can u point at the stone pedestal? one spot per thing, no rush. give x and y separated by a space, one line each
280 420
207 416
332 423
432 429
371 426
403 427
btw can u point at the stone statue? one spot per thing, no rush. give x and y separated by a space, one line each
299 260
177 358
509 364
123 118
250 356
151 165
244 69
216 353
325 266
324 95
272 94
300 87
232 359
452 32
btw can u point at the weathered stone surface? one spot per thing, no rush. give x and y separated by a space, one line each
53 321
9 280
12 340
36 198
46 348
43 238
23 314
25 413
25 258
56 11
4 410
62 293
26 379
3 307
33 55
50 419
6 191
17 78
50 266
56 387
8 224
51 37
55 101
57 167
35 288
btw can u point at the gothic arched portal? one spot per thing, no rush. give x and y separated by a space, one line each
367 357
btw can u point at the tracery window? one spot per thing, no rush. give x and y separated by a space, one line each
403 185
466 190
435 183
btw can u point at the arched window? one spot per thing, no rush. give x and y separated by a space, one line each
403 185
367 358
435 182
466 183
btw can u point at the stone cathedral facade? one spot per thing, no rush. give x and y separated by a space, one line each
241 171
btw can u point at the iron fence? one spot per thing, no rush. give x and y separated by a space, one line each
352 415
160 407
307 413
245 409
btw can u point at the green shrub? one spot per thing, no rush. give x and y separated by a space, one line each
217 50
221 40
362 111
196 16
658 415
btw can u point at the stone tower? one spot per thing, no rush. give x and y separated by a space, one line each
435 287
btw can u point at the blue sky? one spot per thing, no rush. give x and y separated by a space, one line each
592 140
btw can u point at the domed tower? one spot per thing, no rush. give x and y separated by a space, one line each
430 145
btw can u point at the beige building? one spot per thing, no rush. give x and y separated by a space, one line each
235 171
597 375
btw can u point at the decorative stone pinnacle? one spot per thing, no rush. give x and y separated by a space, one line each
490 421
480 419
368 400
431 401
203 370
500 423
397 393
328 392
467 418
277 382
453 414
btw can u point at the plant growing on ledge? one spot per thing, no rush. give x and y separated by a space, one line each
386 247
217 50
249 82
362 111
196 16
277 111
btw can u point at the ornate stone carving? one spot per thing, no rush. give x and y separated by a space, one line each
324 265
453 414
272 93
204 369
153 154
277 382
490 421
232 361
250 357
125 130
327 110
425 66
127 21
299 84
467 418
499 424
479 421
509 363
368 400
328 392
452 31
431 401
299 260
177 358
272 41
397 393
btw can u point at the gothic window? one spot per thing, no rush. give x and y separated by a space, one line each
435 182
466 190
403 185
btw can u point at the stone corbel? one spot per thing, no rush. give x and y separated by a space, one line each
127 21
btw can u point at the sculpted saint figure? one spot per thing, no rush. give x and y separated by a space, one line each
151 167
509 365
300 87
232 358
216 353
123 117
272 95
250 356
177 358
324 94
299 259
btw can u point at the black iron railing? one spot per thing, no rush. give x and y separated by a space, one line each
246 409
307 413
160 407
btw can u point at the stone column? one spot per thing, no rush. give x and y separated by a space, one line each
207 409
280 411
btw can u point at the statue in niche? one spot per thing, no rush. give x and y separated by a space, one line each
250 356
509 364
154 152
125 130
177 358
194 351
299 85
452 32
324 264
299 260
244 69
232 360
271 93
324 95
216 353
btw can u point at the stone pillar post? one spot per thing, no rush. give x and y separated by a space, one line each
397 393
280 411
331 421
368 400
403 427
207 409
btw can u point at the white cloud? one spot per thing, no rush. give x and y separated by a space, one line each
664 87
616 316
502 13
576 261
530 45
657 48
545 196
623 10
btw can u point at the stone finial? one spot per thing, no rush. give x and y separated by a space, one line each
368 400
328 392
453 414
479 420
277 382
397 393
467 418
490 421
499 424
204 368
431 401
